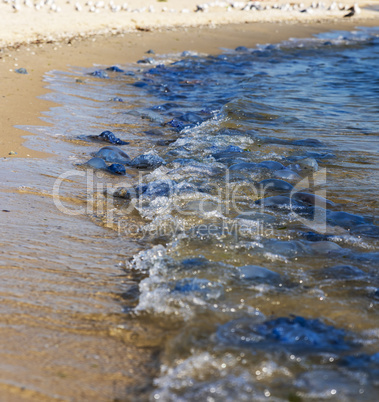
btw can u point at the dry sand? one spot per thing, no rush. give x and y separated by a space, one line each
41 354
30 20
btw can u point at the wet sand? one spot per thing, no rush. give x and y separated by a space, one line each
63 333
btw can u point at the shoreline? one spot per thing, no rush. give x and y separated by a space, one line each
24 92
93 356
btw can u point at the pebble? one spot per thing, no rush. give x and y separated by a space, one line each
272 165
148 60
206 7
308 142
340 272
99 163
243 166
108 136
312 199
199 287
302 164
99 74
21 71
367 230
259 274
241 49
286 174
279 201
344 219
96 163
292 333
147 161
325 247
275 185
115 69
117 168
113 154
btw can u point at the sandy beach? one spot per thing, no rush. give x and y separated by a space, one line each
42 40
28 21
56 36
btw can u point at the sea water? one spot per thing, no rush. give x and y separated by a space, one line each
257 223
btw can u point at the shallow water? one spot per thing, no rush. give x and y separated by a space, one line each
246 299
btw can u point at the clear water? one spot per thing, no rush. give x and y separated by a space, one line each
246 300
